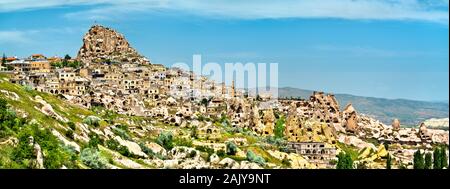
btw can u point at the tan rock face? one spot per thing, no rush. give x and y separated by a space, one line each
396 124
102 43
351 124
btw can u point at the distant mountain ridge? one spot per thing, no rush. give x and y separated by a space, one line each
409 112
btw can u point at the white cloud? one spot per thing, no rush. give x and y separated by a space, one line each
32 35
422 10
14 37
367 51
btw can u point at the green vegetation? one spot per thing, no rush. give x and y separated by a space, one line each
231 148
440 158
66 62
3 59
116 146
122 131
91 157
29 134
419 161
252 157
182 142
92 121
209 151
279 127
350 150
71 125
344 161
428 161
165 139
286 162
94 141
388 161
192 154
221 153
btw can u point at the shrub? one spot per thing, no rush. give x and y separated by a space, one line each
252 157
116 146
91 157
183 142
221 153
286 162
69 134
205 149
344 161
121 132
192 154
55 154
194 132
92 121
94 141
71 125
165 140
231 148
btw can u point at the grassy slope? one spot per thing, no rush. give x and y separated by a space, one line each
27 104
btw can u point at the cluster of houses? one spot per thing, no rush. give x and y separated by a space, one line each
171 95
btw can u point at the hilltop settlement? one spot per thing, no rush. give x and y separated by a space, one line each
110 107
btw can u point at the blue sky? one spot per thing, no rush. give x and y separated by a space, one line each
390 49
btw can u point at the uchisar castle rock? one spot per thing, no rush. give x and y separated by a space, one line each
117 110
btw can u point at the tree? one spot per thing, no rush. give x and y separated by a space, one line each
165 140
437 163
205 102
444 163
3 59
428 161
388 161
279 128
231 148
419 162
344 161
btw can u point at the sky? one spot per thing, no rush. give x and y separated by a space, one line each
389 49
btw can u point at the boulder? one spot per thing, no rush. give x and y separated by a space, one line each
156 148
214 159
134 148
66 142
249 165
228 163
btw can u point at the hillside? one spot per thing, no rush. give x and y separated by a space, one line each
40 130
409 112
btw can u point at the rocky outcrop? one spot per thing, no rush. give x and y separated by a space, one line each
66 142
228 163
396 125
105 44
11 95
156 148
134 148
350 118
37 163
47 109
355 141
